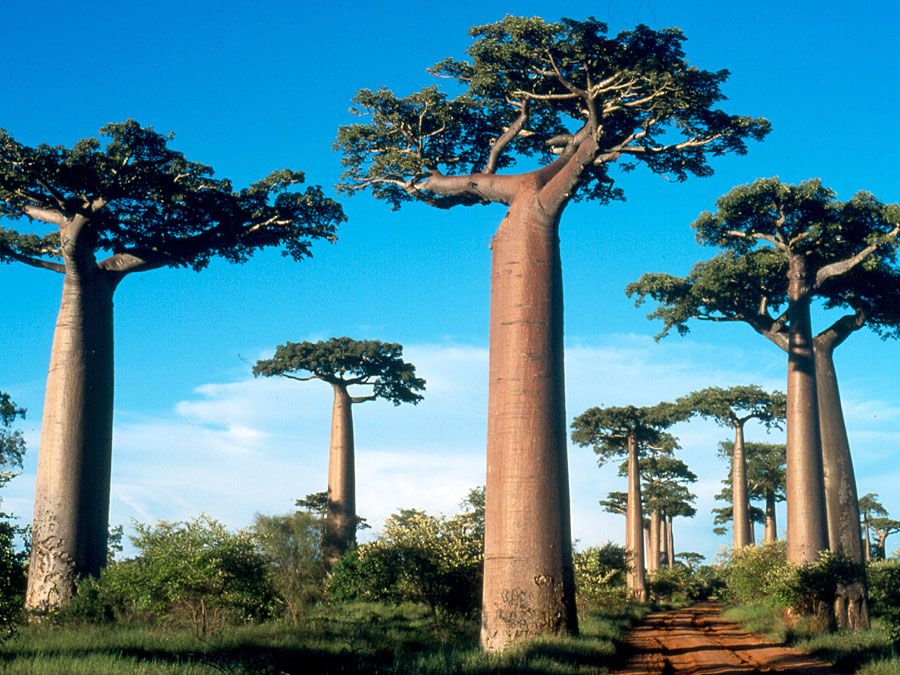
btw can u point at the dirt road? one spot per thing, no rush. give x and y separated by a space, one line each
697 640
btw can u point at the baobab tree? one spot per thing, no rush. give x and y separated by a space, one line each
869 510
630 431
733 408
814 240
573 100
765 480
664 490
115 206
344 363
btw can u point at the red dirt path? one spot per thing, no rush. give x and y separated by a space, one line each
698 640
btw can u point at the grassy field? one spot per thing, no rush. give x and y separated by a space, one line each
866 652
338 639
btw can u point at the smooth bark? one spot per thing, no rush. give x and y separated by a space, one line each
670 543
71 507
807 531
771 531
340 519
653 547
841 497
636 578
740 504
528 574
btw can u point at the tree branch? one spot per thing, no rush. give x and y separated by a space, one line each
840 267
362 399
504 139
840 330
777 243
34 262
45 215
481 187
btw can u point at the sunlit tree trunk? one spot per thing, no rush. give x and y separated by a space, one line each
71 507
653 548
528 577
741 529
841 497
807 531
771 532
636 577
340 519
670 543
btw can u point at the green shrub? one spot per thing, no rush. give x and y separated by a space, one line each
884 594
290 546
756 574
418 558
600 575
194 572
811 589
12 578
682 584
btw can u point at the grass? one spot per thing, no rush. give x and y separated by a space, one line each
867 652
364 637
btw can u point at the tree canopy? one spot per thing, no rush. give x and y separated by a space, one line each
850 247
564 93
144 205
12 444
735 406
607 430
348 362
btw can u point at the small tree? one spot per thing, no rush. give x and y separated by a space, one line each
345 363
573 100
733 408
115 206
869 509
290 546
629 430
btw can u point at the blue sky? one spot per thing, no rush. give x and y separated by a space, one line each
249 90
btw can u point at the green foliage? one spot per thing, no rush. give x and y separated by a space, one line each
600 575
682 584
418 558
734 406
290 547
149 206
884 594
633 95
756 574
348 362
13 561
761 574
194 571
608 429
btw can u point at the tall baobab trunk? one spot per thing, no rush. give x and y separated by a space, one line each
529 584
771 532
653 548
636 578
806 520
663 539
340 520
71 505
868 541
740 501
670 543
841 498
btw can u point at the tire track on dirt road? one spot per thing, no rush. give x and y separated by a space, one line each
698 640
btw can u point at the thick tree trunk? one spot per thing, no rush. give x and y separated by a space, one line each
771 532
71 506
529 584
636 578
670 543
653 547
807 531
841 498
740 503
340 519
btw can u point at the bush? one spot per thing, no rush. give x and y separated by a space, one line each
418 558
12 579
682 584
756 574
811 589
194 571
884 594
600 575
290 545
